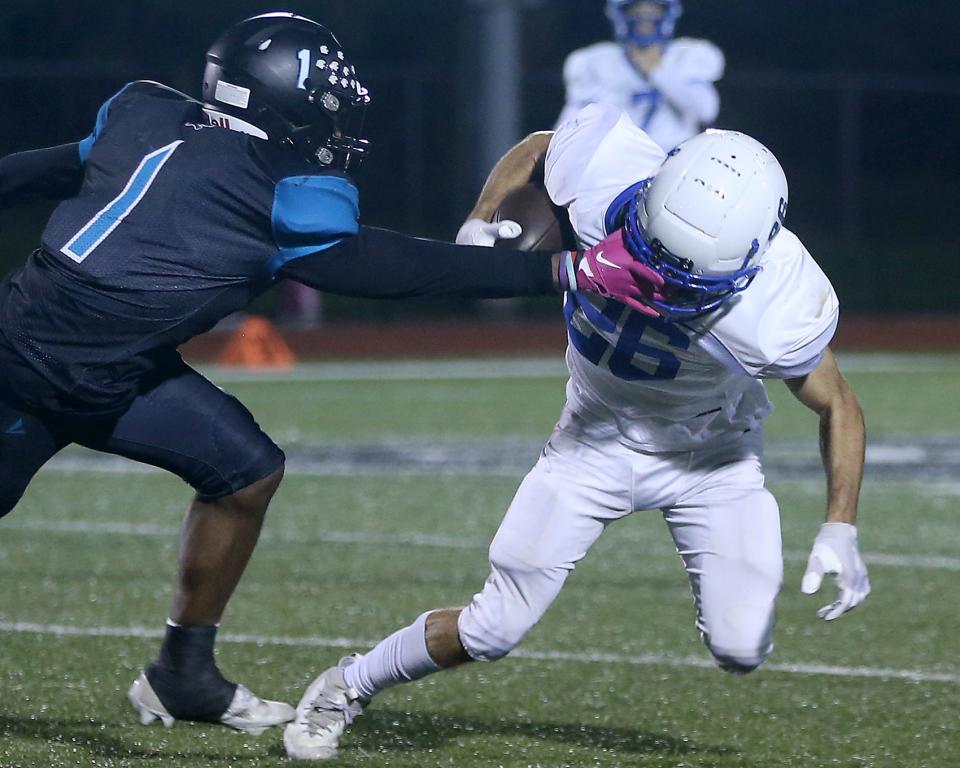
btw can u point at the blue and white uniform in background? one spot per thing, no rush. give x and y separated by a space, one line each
674 102
659 415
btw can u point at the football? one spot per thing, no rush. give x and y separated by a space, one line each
546 227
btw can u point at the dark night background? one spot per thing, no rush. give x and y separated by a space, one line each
859 100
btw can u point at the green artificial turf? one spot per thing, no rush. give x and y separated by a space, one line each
346 559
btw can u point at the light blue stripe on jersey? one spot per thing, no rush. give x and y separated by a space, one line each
310 214
87 144
117 209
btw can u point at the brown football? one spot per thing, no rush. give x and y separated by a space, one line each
546 227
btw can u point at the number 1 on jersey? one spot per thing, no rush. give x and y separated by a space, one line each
98 229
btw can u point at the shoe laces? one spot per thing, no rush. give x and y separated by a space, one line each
333 705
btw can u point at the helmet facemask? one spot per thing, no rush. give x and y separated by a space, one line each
341 147
689 294
632 26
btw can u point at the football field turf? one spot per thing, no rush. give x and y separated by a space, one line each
398 476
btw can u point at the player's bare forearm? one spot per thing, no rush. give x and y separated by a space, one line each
842 435
521 164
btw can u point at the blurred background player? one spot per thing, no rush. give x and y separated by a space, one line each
665 410
175 213
665 84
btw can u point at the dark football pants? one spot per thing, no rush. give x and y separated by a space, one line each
181 422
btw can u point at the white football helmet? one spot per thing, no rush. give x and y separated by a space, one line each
707 217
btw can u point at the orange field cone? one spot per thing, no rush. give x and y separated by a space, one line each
257 344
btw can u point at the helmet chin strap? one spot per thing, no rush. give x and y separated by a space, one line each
223 120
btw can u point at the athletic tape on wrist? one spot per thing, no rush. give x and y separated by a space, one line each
569 271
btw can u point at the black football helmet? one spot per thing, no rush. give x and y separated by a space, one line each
289 77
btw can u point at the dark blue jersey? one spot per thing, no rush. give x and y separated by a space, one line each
170 223
177 224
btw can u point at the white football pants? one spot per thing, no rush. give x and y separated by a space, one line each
725 524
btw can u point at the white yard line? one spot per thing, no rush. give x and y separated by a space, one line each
621 540
114 465
81 461
543 367
653 659
399 370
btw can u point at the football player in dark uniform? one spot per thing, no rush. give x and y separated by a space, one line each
174 214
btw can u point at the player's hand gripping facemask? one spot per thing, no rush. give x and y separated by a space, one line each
610 270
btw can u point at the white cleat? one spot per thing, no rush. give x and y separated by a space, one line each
323 714
247 711
147 703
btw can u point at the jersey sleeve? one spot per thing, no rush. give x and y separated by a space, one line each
572 146
591 160
698 60
53 173
581 84
378 263
780 327
311 214
86 144
594 75
686 78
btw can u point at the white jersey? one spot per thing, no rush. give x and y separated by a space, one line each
671 104
674 386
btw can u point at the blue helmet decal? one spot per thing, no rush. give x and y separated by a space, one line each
688 294
639 29
781 217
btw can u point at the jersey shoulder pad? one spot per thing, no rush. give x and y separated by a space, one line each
312 213
592 160
594 55
587 68
86 144
572 146
695 59
781 325
138 95
155 90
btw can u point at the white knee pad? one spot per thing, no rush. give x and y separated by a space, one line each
736 581
514 598
738 626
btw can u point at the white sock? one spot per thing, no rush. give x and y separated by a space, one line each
400 658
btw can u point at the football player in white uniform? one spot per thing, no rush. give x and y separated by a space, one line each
666 85
665 408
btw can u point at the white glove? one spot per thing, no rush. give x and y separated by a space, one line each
480 232
835 552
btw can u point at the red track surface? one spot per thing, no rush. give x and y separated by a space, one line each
913 333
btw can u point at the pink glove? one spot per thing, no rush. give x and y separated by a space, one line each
610 270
